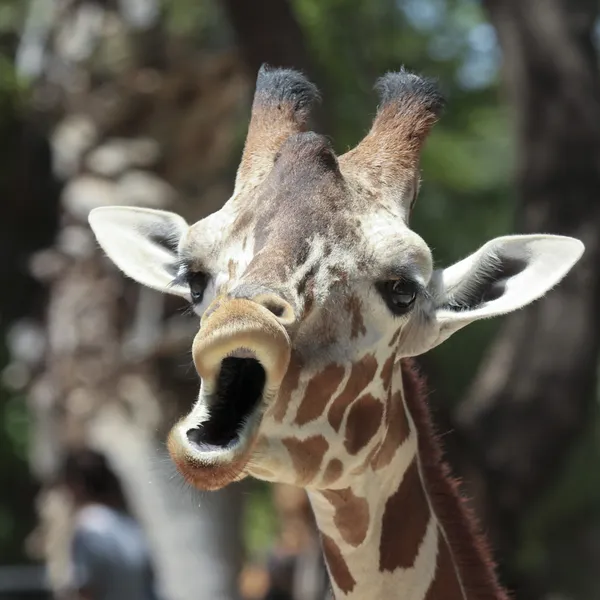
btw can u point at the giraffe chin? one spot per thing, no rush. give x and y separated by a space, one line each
207 466
204 474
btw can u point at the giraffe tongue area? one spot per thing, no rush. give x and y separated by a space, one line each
239 389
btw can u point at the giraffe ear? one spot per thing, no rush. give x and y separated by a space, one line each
504 275
143 243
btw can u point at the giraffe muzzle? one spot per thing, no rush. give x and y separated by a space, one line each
241 353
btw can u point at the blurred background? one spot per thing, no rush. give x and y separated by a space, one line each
146 103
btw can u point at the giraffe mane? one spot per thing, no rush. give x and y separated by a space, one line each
470 550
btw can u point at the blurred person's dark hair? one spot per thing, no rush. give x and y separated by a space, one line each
89 477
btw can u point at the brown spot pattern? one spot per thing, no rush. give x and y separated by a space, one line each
318 392
397 430
361 375
351 515
338 568
445 582
404 523
333 472
338 274
387 371
288 386
231 268
326 332
306 288
309 298
395 337
364 420
353 306
241 222
307 456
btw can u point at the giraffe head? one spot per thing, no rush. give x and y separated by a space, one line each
309 281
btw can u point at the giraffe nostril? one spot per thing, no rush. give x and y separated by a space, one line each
281 309
278 307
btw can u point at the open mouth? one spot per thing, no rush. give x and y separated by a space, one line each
239 390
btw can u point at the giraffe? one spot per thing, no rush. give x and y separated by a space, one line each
314 297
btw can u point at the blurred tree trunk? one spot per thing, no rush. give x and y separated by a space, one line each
267 31
133 119
535 388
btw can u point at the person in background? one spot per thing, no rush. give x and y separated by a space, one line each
109 553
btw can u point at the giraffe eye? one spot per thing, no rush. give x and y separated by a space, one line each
197 282
403 294
399 295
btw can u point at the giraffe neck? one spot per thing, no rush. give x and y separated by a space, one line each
400 530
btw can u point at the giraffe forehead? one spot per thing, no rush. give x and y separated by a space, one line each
309 239
304 195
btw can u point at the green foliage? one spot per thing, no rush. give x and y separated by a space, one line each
558 532
16 503
199 22
16 518
16 513
260 520
15 425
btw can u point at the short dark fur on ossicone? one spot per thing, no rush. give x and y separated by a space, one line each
407 88
282 103
388 156
276 86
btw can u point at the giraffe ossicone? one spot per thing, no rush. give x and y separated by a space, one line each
314 294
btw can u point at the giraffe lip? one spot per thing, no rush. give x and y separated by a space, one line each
237 395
